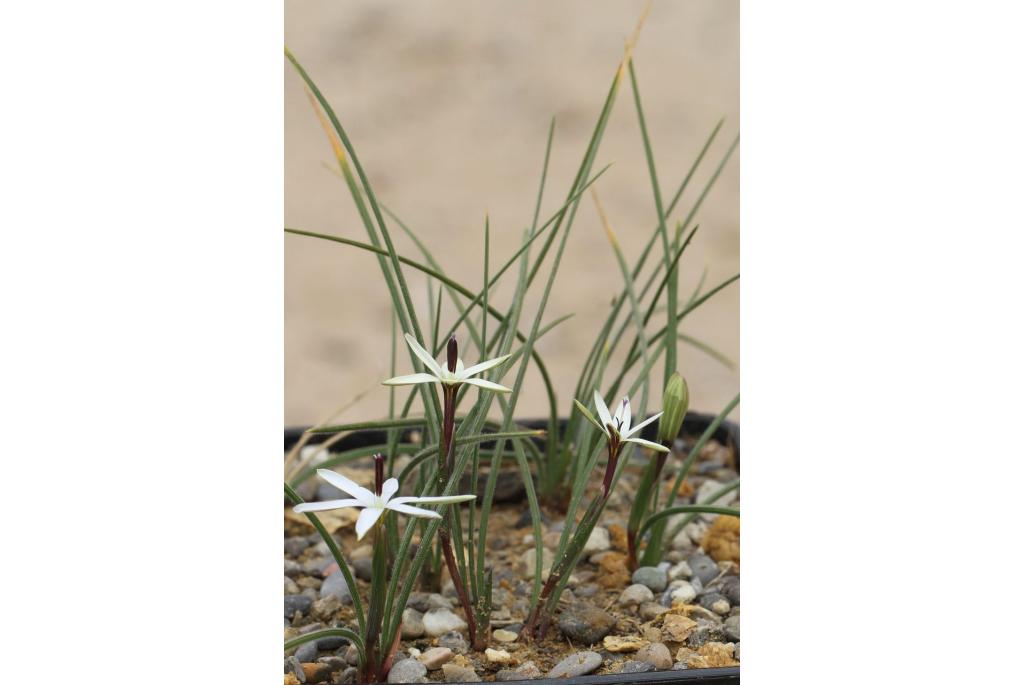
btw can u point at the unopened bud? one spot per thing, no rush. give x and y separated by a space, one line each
453 353
676 401
378 472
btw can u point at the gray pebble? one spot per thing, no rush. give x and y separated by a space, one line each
296 603
454 673
335 585
290 588
412 624
292 665
636 667
363 569
331 643
407 671
306 653
732 628
636 594
454 641
704 567
293 546
654 578
731 589
580 663
585 624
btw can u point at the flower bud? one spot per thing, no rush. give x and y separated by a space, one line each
378 472
676 401
453 353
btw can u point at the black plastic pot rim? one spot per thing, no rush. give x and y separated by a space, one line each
694 424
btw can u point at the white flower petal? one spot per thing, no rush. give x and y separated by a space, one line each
432 500
637 428
602 410
367 518
647 443
411 379
414 511
487 385
459 367
424 356
483 366
351 487
623 415
329 504
388 490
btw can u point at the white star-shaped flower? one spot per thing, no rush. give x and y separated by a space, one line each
440 374
374 505
618 427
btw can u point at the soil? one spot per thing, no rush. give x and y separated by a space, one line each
698 632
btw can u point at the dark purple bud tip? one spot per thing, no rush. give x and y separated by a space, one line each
453 353
378 472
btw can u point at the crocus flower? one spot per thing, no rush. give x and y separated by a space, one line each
375 504
451 374
617 428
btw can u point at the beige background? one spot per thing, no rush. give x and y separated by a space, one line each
448 105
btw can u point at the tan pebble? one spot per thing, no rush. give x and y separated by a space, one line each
718 654
497 656
676 628
504 635
623 644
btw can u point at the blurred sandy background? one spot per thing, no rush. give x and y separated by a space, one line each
448 104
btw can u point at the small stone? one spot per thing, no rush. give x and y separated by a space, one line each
329 644
306 652
714 601
290 588
732 628
707 489
529 562
324 609
293 546
703 567
636 667
654 578
297 604
352 655
293 667
412 624
676 628
504 635
363 569
527 671
437 622
316 673
731 589
497 656
636 594
362 552
454 641
435 657
599 541
679 571
713 655
736 652
722 541
651 610
585 624
580 663
292 569
335 585
407 671
616 644
657 655
348 676
453 673
652 634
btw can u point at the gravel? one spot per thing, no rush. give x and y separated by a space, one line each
703 567
335 585
654 578
636 594
636 667
732 628
580 663
412 624
655 654
437 622
296 603
453 673
585 624
407 671
306 652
